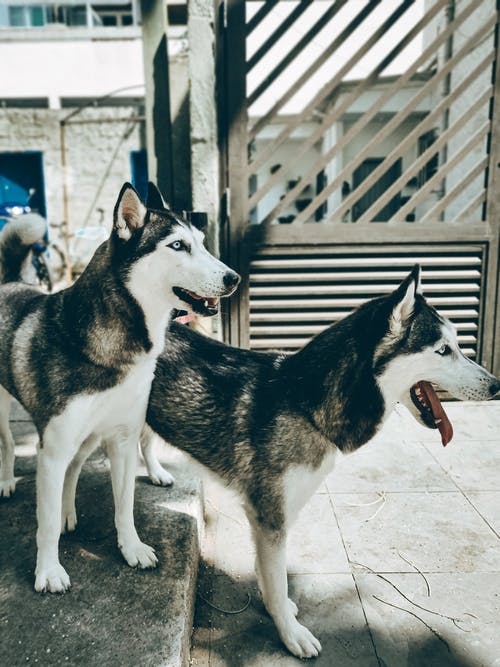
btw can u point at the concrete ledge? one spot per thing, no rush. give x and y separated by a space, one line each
113 615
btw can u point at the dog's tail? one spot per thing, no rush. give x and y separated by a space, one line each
16 240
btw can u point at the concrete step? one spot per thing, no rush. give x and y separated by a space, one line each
113 614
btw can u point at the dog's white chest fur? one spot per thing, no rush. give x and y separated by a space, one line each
120 407
300 482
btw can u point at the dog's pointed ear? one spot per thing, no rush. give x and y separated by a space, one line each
129 212
404 301
155 199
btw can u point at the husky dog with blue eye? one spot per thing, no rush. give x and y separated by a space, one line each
81 361
270 425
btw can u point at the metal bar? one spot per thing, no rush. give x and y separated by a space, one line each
297 49
278 33
257 317
352 302
396 154
261 158
360 276
420 162
260 15
362 263
337 114
455 191
313 290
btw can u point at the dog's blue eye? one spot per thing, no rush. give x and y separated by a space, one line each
444 350
177 245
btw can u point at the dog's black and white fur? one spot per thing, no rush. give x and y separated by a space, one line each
81 361
269 425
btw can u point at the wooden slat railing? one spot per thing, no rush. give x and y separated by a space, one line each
290 92
260 15
266 153
421 161
339 111
409 140
278 33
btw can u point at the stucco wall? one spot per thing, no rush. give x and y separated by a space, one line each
97 157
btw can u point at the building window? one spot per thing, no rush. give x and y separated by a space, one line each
33 16
113 15
21 179
26 16
177 14
377 189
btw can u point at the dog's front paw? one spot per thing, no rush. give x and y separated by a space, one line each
299 640
51 580
161 477
68 520
139 555
7 487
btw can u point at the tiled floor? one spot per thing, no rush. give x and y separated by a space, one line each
395 561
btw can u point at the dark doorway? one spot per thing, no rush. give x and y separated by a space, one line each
21 180
370 197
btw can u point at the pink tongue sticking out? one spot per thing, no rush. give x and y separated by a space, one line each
442 421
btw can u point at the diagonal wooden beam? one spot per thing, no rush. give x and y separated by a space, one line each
260 15
420 195
395 121
439 207
269 150
283 64
277 34
398 152
338 112
477 201
421 161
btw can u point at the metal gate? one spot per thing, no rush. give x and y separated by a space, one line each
360 138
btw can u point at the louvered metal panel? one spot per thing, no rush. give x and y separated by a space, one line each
293 298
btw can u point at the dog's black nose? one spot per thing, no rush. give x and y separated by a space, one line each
231 279
495 387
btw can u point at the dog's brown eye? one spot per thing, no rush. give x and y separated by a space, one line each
444 350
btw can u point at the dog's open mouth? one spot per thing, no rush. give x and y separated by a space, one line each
432 412
203 305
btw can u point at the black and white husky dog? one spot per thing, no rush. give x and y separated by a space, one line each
81 361
270 425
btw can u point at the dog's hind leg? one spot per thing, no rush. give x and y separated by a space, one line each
7 447
271 566
156 472
68 513
123 459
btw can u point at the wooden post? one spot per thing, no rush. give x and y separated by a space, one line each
237 195
490 356
158 122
